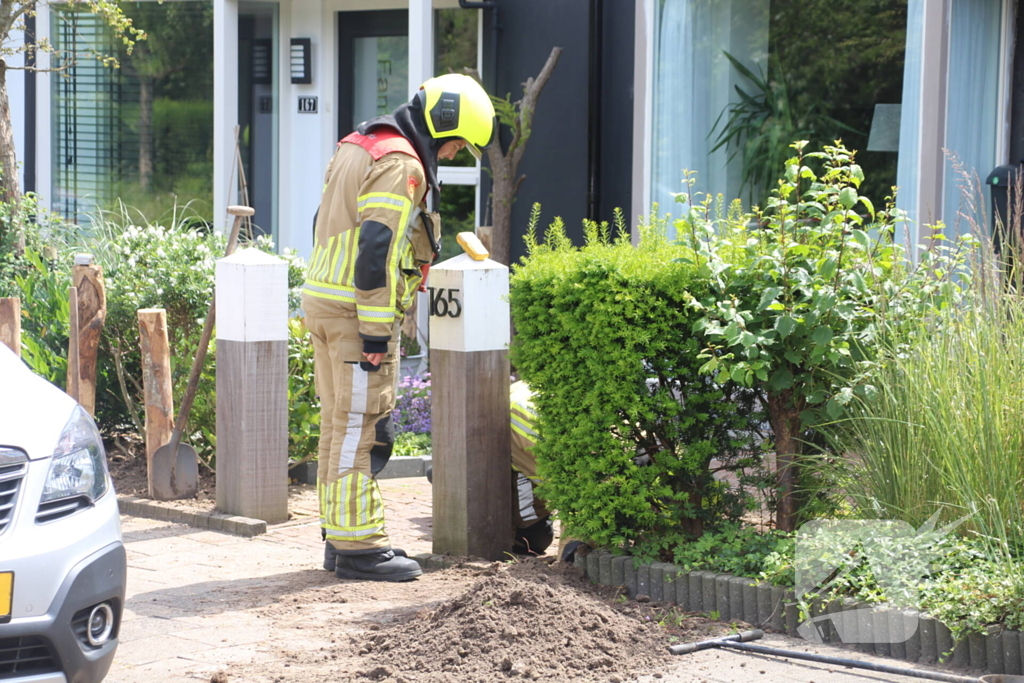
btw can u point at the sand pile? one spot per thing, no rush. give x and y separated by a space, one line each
527 621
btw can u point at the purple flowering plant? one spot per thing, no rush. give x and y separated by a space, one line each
412 406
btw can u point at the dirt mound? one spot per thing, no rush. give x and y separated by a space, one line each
528 621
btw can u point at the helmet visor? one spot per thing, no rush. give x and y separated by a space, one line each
474 150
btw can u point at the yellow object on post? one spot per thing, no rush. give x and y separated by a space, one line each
472 245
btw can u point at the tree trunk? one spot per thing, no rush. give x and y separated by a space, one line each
10 189
784 415
145 132
503 195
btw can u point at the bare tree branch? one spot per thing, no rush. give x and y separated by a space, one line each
505 164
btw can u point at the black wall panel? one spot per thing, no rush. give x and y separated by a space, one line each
556 159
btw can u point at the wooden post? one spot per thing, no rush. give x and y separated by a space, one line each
10 323
252 385
73 359
92 312
156 383
469 335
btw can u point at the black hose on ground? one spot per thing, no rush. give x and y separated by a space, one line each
740 642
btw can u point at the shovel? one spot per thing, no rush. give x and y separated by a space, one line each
176 465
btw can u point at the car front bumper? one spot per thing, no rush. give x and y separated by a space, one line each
98 578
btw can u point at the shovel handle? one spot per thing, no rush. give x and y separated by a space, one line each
204 340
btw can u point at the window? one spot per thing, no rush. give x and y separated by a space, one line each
142 133
736 81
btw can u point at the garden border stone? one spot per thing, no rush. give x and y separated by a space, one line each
643 580
926 627
709 586
629 576
865 626
792 615
880 631
913 644
214 521
657 579
696 583
1011 653
677 587
749 601
897 647
977 650
605 569
594 567
723 597
619 569
994 652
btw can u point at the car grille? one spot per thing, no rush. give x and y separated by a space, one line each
58 509
26 655
13 465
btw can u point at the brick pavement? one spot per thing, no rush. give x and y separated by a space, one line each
194 598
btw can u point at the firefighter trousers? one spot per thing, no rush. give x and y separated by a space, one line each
356 433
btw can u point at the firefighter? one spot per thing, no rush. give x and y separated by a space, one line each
534 531
376 233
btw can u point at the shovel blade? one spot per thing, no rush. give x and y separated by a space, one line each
175 474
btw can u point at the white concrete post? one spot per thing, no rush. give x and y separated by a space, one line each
469 335
252 385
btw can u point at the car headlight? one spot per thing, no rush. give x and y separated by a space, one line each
79 464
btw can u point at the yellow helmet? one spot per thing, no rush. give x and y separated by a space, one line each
456 106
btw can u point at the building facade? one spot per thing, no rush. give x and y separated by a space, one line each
646 90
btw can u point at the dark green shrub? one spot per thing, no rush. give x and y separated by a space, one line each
35 267
631 433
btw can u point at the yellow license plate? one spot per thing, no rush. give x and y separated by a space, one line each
6 594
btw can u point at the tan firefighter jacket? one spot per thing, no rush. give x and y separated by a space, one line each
371 234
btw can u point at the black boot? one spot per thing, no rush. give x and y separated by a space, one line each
534 539
382 566
330 553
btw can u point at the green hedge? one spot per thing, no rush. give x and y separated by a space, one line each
603 337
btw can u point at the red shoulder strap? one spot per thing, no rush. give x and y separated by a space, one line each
379 143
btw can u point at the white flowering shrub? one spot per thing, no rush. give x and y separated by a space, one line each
171 268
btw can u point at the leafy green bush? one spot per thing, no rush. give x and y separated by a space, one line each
735 549
35 267
801 297
628 426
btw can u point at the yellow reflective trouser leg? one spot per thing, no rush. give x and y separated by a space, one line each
356 436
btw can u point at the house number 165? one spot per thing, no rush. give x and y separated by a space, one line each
443 302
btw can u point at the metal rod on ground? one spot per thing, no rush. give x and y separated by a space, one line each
687 648
739 642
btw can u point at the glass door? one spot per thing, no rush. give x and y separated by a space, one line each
373 65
